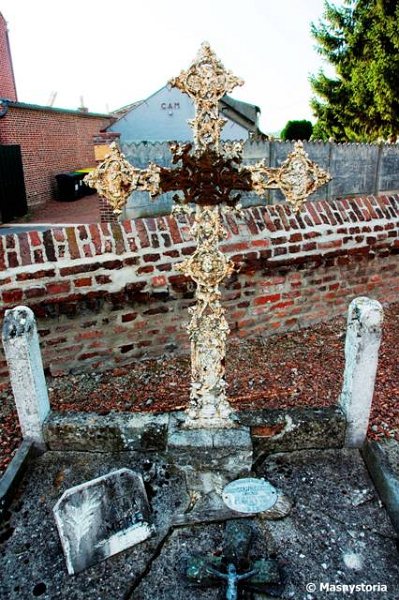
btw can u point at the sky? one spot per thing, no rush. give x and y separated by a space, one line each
116 52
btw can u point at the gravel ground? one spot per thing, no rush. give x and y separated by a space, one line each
302 368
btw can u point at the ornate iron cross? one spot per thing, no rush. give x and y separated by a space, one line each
207 176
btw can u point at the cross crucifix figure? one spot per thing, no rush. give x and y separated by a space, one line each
234 567
207 176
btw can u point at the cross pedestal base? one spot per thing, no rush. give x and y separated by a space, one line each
211 457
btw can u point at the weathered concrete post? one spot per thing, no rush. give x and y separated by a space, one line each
362 343
22 350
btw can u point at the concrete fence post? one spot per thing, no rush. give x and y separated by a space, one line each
363 337
22 351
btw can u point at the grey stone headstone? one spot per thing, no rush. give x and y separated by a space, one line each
102 517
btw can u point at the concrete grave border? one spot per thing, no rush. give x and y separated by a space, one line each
271 431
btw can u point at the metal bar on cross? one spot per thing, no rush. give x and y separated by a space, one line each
208 174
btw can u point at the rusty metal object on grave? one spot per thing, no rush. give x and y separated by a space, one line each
209 178
234 568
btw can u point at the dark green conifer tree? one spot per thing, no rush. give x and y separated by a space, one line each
361 40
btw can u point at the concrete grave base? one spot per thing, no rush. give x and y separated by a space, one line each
337 533
271 431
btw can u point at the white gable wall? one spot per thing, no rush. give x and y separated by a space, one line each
163 117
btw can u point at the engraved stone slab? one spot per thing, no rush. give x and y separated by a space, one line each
249 495
102 517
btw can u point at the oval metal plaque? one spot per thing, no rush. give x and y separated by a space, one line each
249 495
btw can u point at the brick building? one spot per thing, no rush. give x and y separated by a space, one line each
7 80
51 140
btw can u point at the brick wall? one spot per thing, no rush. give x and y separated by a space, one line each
105 294
7 81
52 141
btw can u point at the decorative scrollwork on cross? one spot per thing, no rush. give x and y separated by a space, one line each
208 328
206 81
115 179
297 177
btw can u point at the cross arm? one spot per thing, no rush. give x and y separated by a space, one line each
115 179
298 177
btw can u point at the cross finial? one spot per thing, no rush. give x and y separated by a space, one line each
206 81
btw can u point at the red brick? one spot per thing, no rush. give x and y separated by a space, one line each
103 279
12 296
146 269
83 282
58 287
72 242
35 238
35 292
59 235
309 246
295 237
159 281
42 274
188 250
237 247
172 253
267 219
313 213
87 250
277 241
164 267
266 299
311 234
151 258
330 244
261 243
174 230
89 334
283 304
66 271
127 226
12 258
141 230
129 317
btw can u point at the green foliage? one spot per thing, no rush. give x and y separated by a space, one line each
319 132
360 39
297 130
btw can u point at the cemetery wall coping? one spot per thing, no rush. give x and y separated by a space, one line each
321 228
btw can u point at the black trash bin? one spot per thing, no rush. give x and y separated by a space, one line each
68 188
84 189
